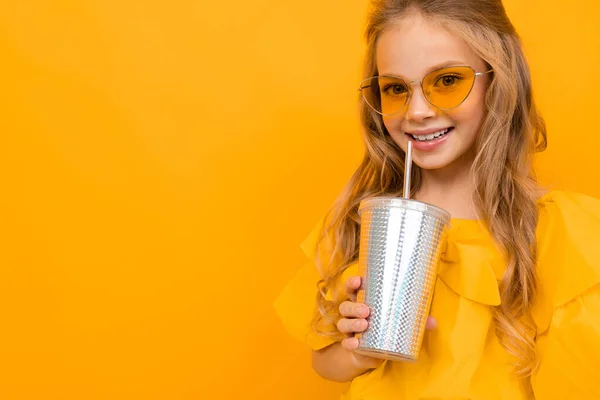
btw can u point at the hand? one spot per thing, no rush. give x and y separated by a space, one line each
354 320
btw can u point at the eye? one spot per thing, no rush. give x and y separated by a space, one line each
394 89
447 80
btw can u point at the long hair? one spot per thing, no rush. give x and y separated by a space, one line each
505 190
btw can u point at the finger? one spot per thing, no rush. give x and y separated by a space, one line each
345 325
354 310
350 343
352 285
431 323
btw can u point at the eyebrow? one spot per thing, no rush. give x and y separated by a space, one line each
432 68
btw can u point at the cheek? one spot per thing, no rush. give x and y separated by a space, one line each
393 124
394 128
470 114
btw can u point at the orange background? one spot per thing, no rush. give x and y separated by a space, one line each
160 162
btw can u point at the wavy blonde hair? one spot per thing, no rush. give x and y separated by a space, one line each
505 191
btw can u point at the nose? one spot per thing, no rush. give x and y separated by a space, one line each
419 109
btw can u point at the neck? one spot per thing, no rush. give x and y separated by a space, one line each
450 188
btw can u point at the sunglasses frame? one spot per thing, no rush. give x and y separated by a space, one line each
410 90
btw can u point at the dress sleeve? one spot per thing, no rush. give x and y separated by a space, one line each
569 353
296 304
567 312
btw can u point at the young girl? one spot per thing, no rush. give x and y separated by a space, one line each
516 309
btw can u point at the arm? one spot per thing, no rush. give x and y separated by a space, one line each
338 361
335 363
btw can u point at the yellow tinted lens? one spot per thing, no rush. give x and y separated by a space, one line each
386 95
448 87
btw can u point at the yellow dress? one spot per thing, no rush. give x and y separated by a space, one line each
462 358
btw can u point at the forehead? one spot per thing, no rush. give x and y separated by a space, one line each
415 46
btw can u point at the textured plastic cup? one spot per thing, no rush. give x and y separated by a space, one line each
400 249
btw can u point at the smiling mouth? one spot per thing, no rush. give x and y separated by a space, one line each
431 136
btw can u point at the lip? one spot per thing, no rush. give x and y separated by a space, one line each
431 144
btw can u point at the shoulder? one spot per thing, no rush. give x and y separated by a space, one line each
569 222
568 204
568 250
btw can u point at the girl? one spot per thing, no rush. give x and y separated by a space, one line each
516 309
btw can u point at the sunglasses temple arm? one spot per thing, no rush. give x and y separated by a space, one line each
483 73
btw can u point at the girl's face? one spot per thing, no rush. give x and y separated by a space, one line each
411 50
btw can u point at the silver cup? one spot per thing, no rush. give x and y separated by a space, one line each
400 248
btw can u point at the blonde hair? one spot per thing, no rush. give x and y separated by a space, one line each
505 191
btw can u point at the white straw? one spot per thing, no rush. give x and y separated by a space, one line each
407 168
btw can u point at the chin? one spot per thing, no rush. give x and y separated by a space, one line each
431 165
434 162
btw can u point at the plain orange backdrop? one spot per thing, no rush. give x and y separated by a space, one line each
160 162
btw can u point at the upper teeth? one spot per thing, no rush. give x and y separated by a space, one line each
431 135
